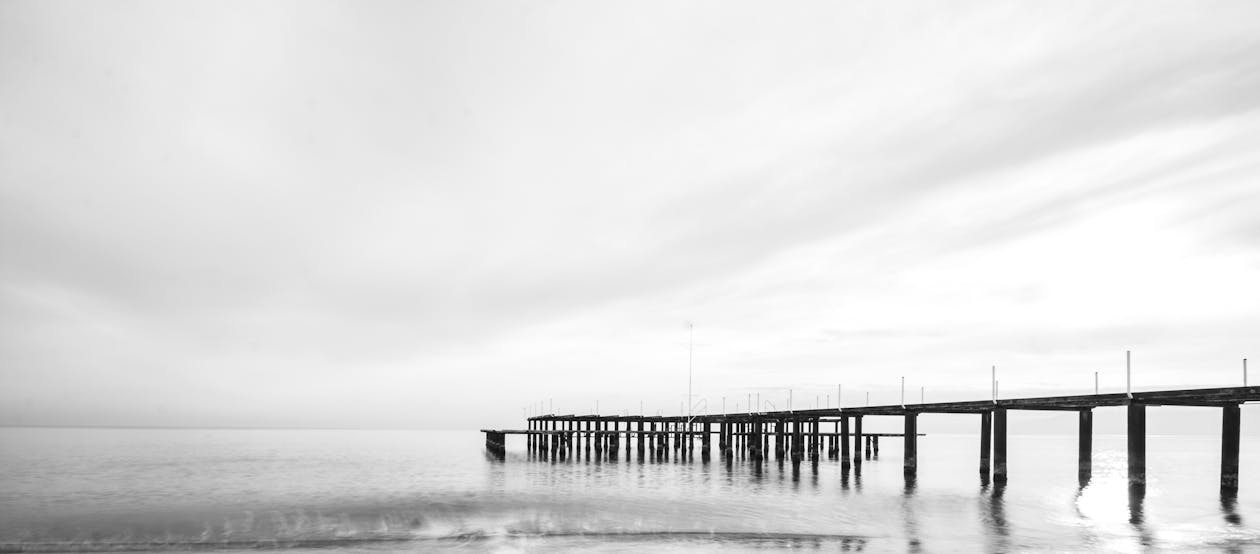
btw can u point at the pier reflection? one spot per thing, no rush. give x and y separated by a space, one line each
1229 507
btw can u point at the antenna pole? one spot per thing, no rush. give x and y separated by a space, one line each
690 349
1128 374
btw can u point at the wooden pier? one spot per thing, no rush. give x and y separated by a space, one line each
801 434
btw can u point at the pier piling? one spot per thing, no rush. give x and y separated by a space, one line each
844 443
999 445
986 443
1230 432
1137 445
912 444
1085 448
857 442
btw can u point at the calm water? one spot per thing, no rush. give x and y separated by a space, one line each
383 491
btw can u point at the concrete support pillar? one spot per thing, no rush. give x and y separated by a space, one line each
873 448
1085 445
911 465
857 441
986 443
705 439
779 436
999 445
754 440
798 433
844 442
1231 429
1137 445
816 443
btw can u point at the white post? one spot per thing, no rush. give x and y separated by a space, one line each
596 407
993 384
903 391
922 395
758 402
789 400
690 349
1128 375
868 398
749 404
828 401
1095 382
995 391
838 391
723 404
1244 372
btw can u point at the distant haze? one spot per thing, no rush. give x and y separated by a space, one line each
437 214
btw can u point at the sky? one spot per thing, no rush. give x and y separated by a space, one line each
447 214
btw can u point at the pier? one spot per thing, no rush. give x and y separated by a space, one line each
828 433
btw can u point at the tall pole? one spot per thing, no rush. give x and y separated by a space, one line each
922 395
903 391
1095 382
691 334
1128 374
993 384
1244 372
868 398
838 390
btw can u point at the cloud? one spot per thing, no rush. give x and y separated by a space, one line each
248 219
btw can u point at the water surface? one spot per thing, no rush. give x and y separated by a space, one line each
383 491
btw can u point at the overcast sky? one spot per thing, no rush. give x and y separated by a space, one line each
433 214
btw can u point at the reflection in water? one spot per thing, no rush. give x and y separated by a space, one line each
1137 497
913 543
993 516
1229 507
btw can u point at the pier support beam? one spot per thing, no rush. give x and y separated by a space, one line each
844 442
999 445
1085 446
754 442
911 465
857 441
798 433
1231 428
986 443
1137 445
818 440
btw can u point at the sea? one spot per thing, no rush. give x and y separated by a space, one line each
233 490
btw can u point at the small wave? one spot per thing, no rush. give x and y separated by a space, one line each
744 538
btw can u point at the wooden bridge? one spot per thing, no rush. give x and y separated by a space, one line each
797 434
